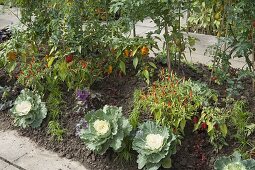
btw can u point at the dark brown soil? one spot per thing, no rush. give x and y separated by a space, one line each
195 153
5 34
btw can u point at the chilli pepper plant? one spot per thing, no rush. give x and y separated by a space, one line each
136 51
214 120
172 101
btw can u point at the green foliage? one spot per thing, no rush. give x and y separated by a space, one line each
127 154
135 115
28 110
5 98
242 123
54 101
56 130
206 16
155 145
234 162
164 14
236 28
172 102
106 128
214 120
133 50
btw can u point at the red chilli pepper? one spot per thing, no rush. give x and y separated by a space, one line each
195 120
69 58
204 125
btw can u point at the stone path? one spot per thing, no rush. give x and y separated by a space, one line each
20 153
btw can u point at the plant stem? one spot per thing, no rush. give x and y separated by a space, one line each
253 57
179 20
134 29
167 48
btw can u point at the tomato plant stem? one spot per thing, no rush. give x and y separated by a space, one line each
253 57
167 49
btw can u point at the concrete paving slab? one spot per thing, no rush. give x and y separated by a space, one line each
10 167
3 165
45 160
13 147
9 17
24 153
146 23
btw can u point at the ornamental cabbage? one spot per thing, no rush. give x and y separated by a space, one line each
28 110
105 128
155 145
234 162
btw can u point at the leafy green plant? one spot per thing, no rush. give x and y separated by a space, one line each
241 123
206 16
234 162
237 40
55 129
135 50
106 128
214 120
155 145
28 110
5 102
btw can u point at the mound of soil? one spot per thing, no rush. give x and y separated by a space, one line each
195 152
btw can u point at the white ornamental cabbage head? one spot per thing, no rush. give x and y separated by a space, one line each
154 144
106 128
154 141
234 162
234 166
101 126
28 109
23 107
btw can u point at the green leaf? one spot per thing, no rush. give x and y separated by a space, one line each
167 163
141 161
79 49
147 76
210 126
224 129
123 67
135 62
51 61
62 70
135 50
152 65
183 124
53 49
